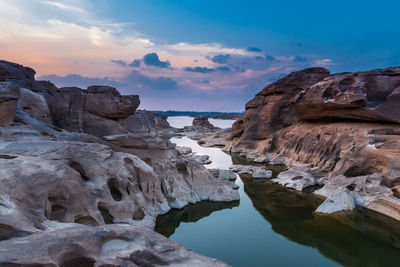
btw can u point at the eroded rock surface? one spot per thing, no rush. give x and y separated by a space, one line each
339 132
69 165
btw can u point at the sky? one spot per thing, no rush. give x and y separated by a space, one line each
195 55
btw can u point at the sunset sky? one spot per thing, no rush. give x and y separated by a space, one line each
195 55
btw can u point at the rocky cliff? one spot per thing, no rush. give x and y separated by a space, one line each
339 131
73 160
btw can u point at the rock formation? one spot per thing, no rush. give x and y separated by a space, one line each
72 160
202 122
339 132
146 122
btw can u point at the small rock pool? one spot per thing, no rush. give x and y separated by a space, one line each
274 226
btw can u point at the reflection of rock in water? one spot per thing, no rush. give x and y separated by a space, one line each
167 223
358 239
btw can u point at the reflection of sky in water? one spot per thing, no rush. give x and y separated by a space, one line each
182 121
219 159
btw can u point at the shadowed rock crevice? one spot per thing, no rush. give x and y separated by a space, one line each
113 186
105 213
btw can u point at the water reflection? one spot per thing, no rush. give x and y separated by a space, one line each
274 226
360 239
167 223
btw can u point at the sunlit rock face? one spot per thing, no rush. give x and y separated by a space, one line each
342 128
68 166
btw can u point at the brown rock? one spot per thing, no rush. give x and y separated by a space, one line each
371 96
272 109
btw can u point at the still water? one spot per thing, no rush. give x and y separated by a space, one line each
274 226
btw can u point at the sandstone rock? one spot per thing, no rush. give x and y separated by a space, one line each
202 122
371 96
223 174
260 173
271 109
59 188
106 102
184 150
145 122
111 245
34 104
12 71
9 95
257 172
94 111
339 132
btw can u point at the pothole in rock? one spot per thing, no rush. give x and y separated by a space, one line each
138 214
78 167
86 220
57 211
113 186
108 218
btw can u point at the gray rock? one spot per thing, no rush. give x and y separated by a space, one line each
146 122
107 245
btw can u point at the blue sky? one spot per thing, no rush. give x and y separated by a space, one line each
195 55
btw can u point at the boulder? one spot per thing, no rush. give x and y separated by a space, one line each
96 111
146 122
202 122
34 104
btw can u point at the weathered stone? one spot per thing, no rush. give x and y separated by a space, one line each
107 245
34 104
202 122
9 95
146 122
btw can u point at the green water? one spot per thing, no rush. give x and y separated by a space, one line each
274 226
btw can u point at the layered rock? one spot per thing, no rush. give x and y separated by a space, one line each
338 132
57 180
95 111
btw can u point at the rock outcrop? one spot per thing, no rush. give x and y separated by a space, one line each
69 165
340 132
202 122
146 122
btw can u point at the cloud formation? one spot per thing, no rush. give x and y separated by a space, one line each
69 44
221 59
198 69
152 59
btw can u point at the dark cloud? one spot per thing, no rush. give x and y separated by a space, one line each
152 59
269 58
119 62
220 59
199 69
224 68
141 81
253 49
299 59
206 81
135 63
